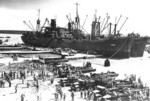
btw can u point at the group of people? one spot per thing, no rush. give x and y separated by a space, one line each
137 88
22 71
41 72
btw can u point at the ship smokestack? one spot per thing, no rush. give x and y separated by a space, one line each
93 28
53 23
69 26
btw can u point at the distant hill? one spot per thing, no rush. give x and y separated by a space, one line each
12 31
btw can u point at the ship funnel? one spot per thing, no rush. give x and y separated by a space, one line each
93 28
53 23
115 29
69 26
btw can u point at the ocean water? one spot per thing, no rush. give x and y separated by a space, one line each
14 39
139 66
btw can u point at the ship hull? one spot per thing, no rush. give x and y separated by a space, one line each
138 47
111 48
37 42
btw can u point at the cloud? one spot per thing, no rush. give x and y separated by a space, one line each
19 4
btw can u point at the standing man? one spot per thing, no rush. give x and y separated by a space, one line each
72 95
85 94
148 90
22 97
81 94
64 97
52 80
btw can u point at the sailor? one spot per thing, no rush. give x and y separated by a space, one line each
147 93
88 93
52 80
85 94
81 94
55 95
3 84
64 97
139 80
22 97
28 84
2 74
14 73
10 74
37 85
72 95
22 80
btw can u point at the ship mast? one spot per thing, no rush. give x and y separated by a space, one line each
38 27
77 19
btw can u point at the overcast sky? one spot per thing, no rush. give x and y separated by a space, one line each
14 12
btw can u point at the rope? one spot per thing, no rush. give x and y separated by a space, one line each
118 49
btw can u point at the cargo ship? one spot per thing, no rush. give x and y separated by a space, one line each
112 46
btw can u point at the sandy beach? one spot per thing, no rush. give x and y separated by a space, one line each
138 66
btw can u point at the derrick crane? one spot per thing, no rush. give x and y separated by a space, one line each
68 18
119 19
98 25
105 25
85 20
99 18
116 23
70 24
46 20
102 23
31 25
123 24
84 30
28 25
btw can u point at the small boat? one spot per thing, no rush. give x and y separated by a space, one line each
64 71
52 60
